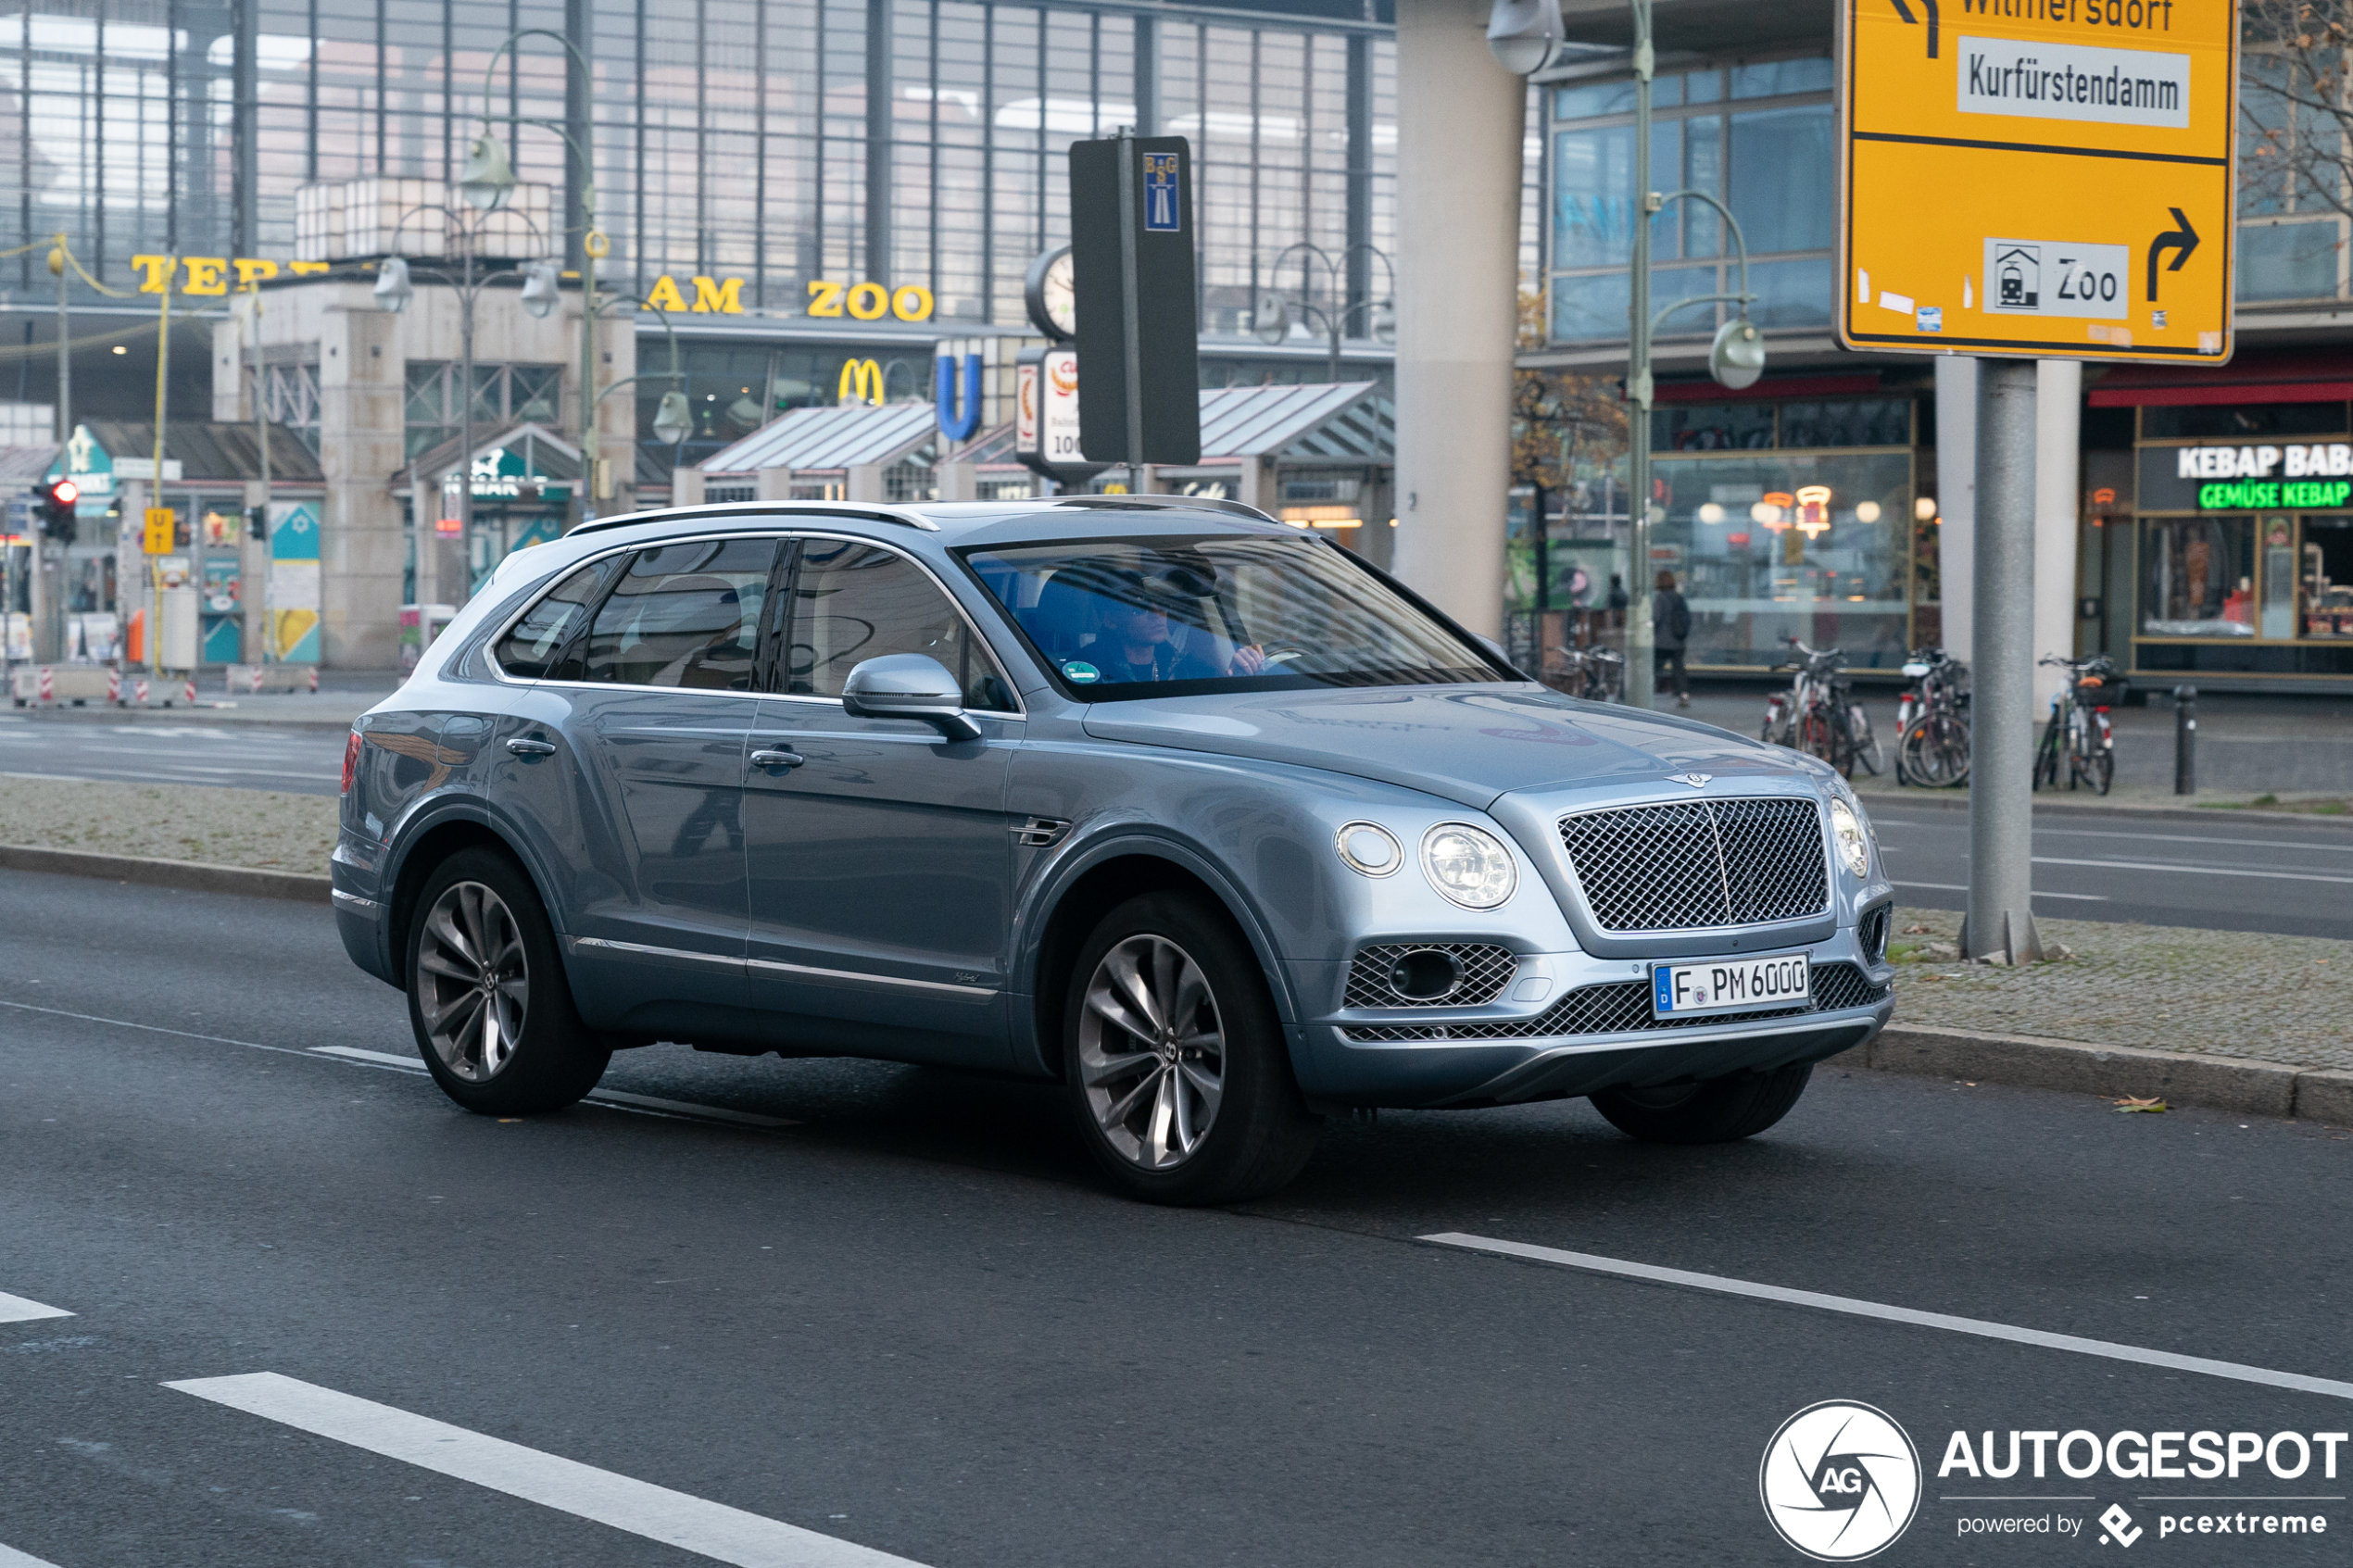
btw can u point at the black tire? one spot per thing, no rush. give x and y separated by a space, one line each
546 1059
2100 768
1713 1110
2047 759
1259 1133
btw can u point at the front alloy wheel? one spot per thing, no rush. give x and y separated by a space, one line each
1151 1052
1175 1059
474 980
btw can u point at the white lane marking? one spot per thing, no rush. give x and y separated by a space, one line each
613 1096
11 1558
2193 871
1853 1308
1963 887
687 1108
692 1524
16 1308
1962 824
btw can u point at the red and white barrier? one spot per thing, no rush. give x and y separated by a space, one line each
191 692
48 684
114 687
139 693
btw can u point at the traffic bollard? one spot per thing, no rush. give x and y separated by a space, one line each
2185 740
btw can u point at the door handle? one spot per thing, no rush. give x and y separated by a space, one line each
532 747
776 760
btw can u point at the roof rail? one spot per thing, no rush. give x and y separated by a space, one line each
1165 503
758 509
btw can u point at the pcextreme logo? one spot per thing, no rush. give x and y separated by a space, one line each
1840 1481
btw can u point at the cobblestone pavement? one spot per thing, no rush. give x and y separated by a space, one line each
2219 992
261 829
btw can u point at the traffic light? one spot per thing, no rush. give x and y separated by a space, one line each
56 509
258 523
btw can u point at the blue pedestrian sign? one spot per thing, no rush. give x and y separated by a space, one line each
1161 203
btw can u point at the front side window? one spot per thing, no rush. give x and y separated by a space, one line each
1172 617
531 650
684 614
854 602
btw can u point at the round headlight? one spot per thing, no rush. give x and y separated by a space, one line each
1469 865
1370 848
1846 831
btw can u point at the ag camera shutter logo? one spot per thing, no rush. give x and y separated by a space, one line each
1840 1481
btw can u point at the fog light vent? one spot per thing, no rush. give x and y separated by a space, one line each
1421 974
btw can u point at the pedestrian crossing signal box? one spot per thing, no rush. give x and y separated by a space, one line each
2052 179
160 534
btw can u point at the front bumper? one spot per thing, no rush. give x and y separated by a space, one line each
1593 1032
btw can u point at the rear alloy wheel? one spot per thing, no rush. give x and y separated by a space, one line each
1713 1110
1176 1062
488 998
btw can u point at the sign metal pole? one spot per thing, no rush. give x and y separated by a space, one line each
2001 805
1132 328
1640 657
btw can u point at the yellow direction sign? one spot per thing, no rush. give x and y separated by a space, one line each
162 530
2048 178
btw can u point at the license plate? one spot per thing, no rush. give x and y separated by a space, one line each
1684 990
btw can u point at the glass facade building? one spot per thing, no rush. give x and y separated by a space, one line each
782 143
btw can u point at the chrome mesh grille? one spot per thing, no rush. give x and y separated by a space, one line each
1624 1006
1688 864
1486 970
1871 933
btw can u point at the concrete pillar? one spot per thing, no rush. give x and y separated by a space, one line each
866 482
1957 495
1258 487
1460 124
685 487
253 572
960 481
772 485
2058 418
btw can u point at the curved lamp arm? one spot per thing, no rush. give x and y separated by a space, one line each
1740 248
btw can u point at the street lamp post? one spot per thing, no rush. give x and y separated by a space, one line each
394 291
1270 315
486 183
1525 36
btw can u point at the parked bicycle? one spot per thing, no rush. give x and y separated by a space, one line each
1596 674
1818 714
2078 729
1932 721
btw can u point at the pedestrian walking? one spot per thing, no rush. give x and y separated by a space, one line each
1670 629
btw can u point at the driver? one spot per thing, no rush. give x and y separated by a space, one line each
1134 643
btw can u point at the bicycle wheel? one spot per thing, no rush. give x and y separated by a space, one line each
1866 747
1814 737
2047 758
2100 768
1941 759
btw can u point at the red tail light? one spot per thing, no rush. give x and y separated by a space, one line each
350 760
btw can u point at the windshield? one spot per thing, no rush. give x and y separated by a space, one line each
1171 617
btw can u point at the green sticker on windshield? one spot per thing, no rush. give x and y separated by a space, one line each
1081 672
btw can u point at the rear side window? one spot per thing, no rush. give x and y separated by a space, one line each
531 650
684 614
856 602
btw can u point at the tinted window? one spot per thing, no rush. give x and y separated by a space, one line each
540 637
1166 617
856 602
684 614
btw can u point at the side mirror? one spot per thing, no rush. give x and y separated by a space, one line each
908 685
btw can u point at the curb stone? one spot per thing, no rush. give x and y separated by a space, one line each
2261 1088
193 876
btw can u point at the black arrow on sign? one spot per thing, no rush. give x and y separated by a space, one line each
1905 12
2183 240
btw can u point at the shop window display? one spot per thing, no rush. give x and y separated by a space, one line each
1775 544
2324 585
2197 577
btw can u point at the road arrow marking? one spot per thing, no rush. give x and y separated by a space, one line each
2183 240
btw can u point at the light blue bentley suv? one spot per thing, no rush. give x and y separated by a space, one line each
1193 812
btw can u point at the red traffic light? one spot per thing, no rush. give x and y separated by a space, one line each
65 491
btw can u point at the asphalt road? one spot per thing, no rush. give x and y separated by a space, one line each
912 1321
305 762
2283 877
